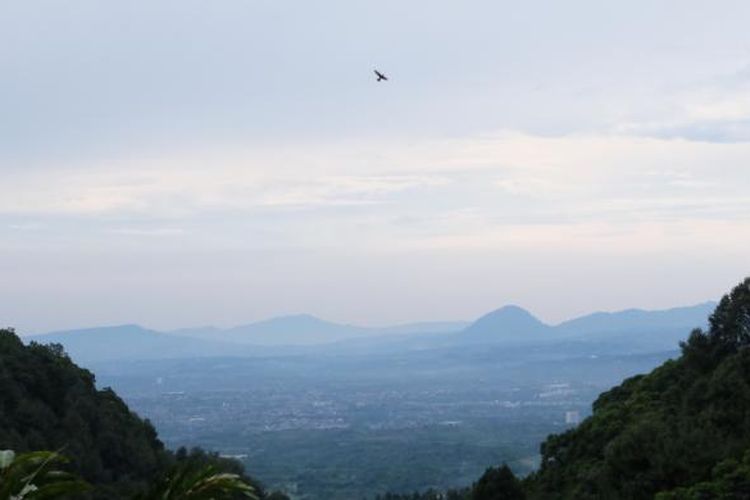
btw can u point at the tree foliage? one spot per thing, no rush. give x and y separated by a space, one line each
35 476
191 480
730 480
498 483
49 403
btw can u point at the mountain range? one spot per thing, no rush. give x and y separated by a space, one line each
633 329
305 329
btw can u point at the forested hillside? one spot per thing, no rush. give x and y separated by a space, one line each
687 422
49 403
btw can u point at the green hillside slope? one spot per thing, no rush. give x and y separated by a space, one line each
687 422
49 403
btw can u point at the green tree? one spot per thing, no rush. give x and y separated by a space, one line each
194 481
498 483
35 476
730 481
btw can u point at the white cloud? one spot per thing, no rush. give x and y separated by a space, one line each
713 110
154 231
508 174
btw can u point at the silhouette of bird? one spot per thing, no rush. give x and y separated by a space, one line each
380 76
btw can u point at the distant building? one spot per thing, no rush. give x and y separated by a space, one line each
572 417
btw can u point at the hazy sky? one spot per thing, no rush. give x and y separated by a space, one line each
187 162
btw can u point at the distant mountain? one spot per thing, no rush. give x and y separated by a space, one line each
509 323
304 329
639 320
132 342
300 329
636 330
278 336
630 331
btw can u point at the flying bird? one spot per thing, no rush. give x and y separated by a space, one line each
380 76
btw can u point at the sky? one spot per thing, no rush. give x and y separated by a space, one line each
181 162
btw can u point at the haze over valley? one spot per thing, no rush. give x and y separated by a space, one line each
326 410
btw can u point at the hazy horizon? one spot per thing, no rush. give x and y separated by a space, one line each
373 326
178 163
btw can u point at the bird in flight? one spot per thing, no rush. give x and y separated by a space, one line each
380 76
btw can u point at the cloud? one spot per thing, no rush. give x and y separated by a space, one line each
713 110
526 176
154 231
342 191
488 191
704 131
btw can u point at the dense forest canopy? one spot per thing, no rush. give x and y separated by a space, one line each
48 403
